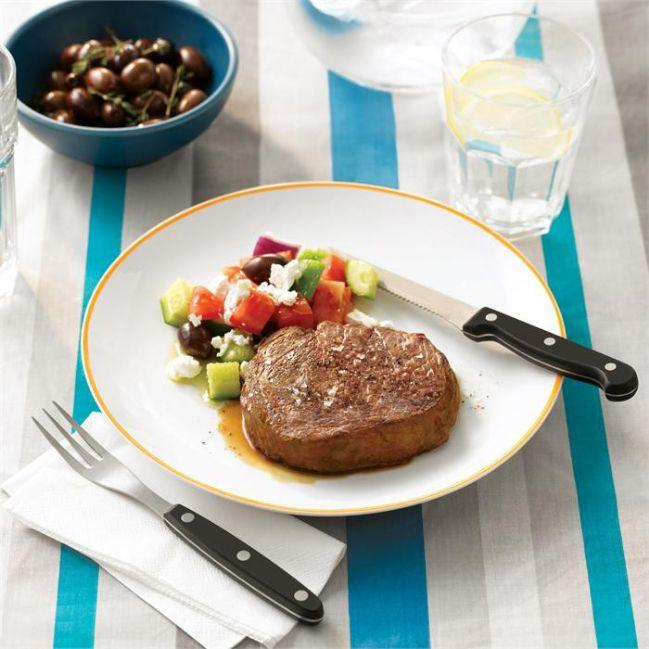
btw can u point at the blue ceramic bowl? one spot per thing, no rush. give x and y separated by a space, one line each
36 45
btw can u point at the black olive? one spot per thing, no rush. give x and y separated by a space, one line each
54 100
83 104
152 102
194 62
190 100
101 79
164 77
257 269
87 47
195 341
112 114
63 115
122 56
69 55
138 75
73 80
143 44
56 80
145 73
162 51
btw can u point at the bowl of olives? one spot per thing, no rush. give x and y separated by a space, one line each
121 86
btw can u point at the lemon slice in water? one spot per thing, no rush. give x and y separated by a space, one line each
496 107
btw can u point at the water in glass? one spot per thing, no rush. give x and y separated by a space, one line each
512 131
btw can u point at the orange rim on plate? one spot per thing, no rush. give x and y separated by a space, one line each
307 511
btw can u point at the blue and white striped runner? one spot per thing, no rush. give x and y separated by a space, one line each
548 551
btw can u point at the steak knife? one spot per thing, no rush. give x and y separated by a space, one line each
618 380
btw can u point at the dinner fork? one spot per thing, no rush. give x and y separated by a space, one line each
90 459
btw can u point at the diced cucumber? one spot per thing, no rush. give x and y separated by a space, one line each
223 381
312 253
361 278
237 353
308 281
175 302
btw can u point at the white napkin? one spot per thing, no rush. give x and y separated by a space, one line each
134 545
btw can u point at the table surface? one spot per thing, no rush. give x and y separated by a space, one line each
551 549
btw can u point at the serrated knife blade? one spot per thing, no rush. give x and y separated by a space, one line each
443 306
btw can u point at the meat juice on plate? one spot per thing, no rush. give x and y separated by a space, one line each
231 427
509 143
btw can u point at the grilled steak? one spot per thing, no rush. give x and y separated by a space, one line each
347 397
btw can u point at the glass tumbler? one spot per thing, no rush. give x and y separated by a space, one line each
516 92
8 135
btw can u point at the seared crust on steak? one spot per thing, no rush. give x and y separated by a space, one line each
347 397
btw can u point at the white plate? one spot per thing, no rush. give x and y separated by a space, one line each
125 342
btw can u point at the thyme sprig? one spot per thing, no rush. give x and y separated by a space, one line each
179 77
120 100
94 54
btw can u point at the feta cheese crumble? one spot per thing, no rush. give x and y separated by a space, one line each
359 317
236 293
232 337
279 295
285 276
195 319
243 369
280 282
183 366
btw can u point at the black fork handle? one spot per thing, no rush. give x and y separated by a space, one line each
245 564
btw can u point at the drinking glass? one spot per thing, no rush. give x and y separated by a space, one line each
8 134
516 92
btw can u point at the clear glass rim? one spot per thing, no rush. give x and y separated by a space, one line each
580 90
11 81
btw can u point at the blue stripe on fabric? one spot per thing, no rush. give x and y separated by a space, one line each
386 565
600 524
76 603
386 580
363 134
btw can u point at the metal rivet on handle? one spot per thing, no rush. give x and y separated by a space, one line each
187 517
490 317
610 367
243 555
300 595
549 341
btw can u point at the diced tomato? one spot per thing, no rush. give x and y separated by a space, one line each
287 254
205 304
253 312
334 268
298 314
347 301
329 302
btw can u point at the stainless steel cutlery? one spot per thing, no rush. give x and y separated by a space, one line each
91 460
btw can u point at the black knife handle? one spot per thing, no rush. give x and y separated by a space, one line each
618 380
245 564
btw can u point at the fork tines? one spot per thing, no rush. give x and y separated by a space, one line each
87 455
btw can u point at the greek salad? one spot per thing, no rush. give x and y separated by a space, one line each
220 324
